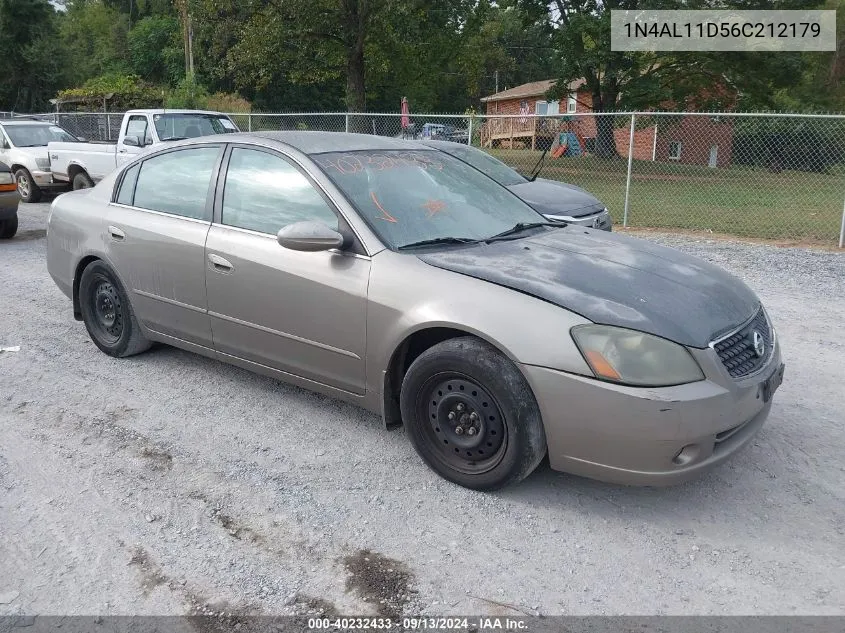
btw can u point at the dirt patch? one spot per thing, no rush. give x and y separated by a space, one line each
379 580
316 606
151 574
158 460
236 529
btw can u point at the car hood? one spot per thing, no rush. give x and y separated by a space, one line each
553 197
614 280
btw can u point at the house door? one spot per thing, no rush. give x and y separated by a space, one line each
714 155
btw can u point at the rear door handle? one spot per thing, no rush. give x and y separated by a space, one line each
219 264
116 233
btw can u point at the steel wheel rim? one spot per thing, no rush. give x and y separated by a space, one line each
106 311
23 185
464 425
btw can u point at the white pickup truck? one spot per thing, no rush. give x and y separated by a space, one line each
85 163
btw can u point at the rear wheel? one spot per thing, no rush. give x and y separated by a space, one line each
107 313
8 227
82 181
471 415
30 192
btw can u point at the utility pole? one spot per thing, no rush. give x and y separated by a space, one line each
496 73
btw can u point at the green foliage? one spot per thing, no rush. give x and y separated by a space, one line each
188 94
128 91
155 49
29 69
93 40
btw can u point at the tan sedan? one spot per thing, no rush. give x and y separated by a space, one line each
399 278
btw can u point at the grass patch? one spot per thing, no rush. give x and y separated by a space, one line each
736 200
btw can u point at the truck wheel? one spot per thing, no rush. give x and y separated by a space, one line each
8 228
29 191
82 181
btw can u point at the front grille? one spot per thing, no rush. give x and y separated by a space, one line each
737 351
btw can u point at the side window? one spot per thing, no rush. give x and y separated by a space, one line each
127 185
264 192
137 127
177 182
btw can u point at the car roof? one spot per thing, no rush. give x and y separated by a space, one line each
26 122
438 144
173 111
312 142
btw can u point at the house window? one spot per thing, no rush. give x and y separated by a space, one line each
571 104
675 150
541 108
547 108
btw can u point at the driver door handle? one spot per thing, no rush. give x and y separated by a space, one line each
219 264
116 234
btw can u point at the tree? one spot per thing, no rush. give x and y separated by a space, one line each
28 65
93 40
155 49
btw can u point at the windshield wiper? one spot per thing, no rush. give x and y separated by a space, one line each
439 240
174 138
519 227
538 167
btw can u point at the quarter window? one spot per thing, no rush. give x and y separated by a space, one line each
264 193
177 182
127 185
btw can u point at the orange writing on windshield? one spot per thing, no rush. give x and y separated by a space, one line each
386 215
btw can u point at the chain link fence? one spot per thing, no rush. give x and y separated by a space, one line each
767 176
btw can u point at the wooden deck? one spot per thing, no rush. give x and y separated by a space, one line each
511 129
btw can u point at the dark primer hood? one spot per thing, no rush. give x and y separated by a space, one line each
553 197
612 279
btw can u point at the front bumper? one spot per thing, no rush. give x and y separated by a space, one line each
649 436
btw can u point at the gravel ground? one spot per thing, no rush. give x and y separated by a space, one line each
169 483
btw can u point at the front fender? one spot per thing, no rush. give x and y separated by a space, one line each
407 296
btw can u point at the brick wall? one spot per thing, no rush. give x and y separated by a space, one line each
643 142
697 135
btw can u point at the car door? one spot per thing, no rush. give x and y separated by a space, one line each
155 234
4 148
298 312
137 127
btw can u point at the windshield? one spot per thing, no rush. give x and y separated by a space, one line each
411 196
192 125
37 135
483 162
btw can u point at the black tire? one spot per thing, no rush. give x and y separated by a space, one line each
508 441
107 313
8 228
82 181
30 192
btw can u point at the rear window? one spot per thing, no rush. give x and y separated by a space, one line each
127 185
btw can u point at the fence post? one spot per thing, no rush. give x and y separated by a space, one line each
469 131
108 127
347 122
249 121
630 163
842 229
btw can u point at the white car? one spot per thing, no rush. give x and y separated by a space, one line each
23 147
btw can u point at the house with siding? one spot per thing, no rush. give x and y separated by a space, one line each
698 140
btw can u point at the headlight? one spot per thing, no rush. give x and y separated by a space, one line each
43 163
633 358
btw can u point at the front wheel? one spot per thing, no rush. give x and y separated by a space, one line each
471 415
8 227
82 181
30 192
107 313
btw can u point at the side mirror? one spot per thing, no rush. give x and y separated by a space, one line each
131 140
309 237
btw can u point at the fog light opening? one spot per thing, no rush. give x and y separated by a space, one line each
687 454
